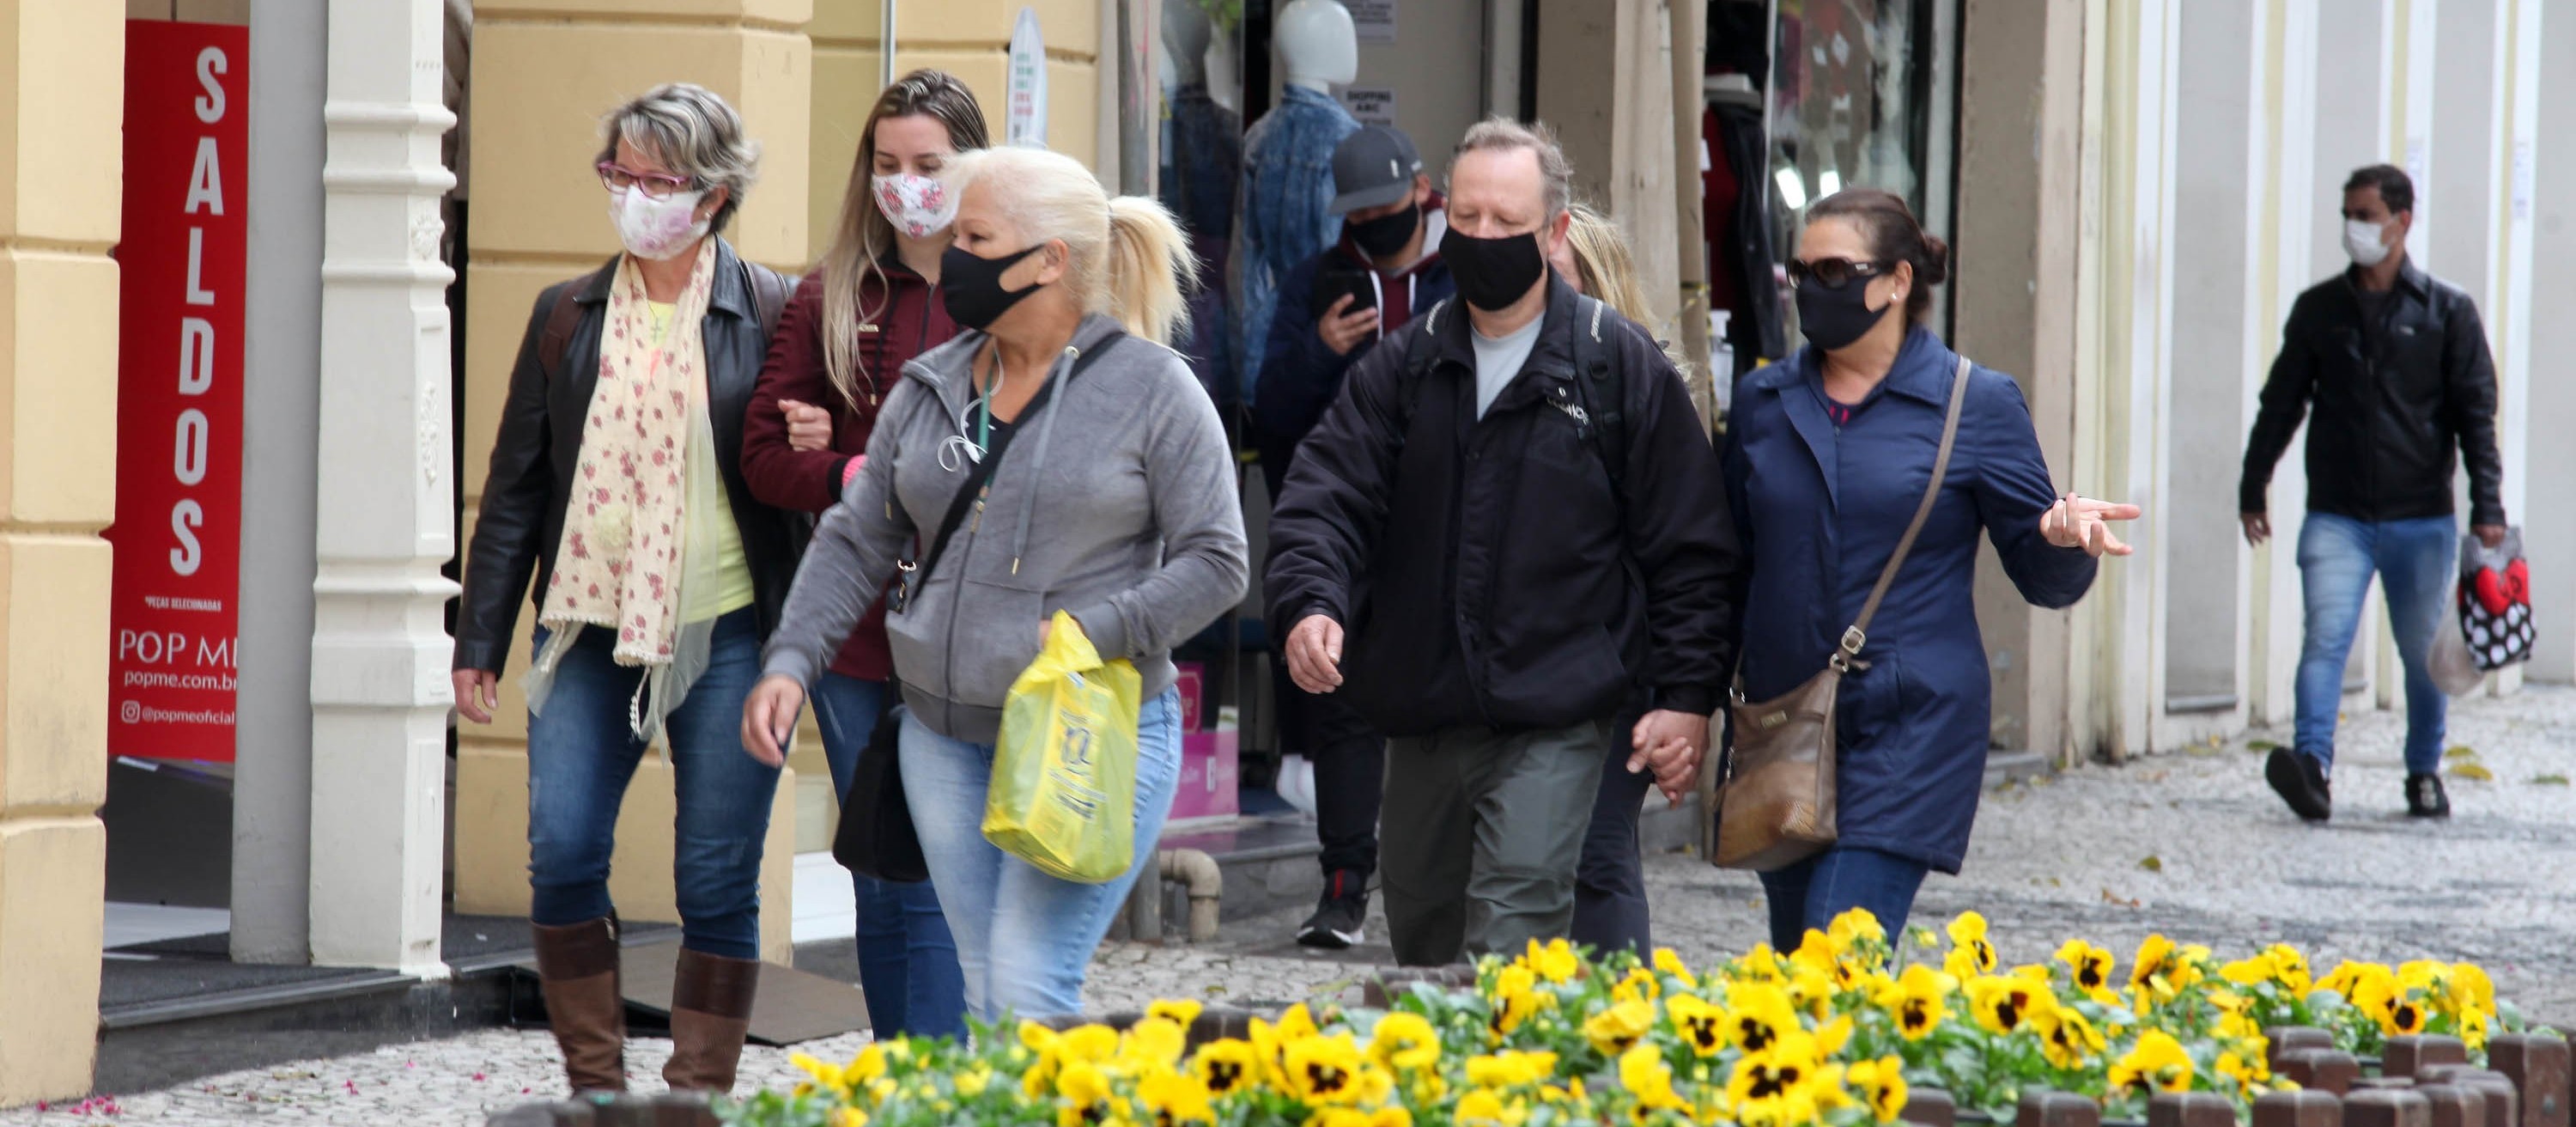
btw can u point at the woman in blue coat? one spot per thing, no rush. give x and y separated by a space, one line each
1827 457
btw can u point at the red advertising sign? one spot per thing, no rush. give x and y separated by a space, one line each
175 611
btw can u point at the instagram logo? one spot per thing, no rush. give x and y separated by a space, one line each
131 713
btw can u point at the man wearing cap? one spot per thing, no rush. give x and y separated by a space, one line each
1331 309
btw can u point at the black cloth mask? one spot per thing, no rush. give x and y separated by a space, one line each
1833 319
970 285
1385 235
1493 273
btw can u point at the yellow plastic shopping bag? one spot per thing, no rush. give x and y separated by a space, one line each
1063 796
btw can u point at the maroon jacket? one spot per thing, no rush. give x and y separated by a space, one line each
912 322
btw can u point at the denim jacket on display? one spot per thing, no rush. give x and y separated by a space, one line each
1285 209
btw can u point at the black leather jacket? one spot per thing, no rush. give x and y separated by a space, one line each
521 519
2393 404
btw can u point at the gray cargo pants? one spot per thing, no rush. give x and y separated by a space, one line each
1480 837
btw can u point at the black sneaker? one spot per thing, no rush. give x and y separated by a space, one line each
2425 797
1337 919
2301 781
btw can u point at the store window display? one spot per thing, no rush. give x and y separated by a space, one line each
1283 210
1851 98
1202 160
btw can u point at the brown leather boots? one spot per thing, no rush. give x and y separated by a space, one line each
577 968
710 1014
710 1010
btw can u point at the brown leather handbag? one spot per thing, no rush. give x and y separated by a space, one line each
1775 805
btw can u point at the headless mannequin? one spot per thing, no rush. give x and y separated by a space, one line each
1318 44
1282 217
1186 34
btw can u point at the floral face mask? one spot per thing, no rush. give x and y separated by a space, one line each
918 206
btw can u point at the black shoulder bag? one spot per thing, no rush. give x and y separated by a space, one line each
885 844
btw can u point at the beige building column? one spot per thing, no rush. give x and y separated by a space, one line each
539 217
62 101
2021 114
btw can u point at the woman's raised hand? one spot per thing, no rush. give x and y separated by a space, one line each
2081 522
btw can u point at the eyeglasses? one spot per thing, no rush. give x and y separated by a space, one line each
1832 273
656 185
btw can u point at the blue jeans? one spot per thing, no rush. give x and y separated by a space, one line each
2413 559
1024 938
1808 895
907 962
581 755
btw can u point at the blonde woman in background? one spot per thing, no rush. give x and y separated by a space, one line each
1101 484
1610 882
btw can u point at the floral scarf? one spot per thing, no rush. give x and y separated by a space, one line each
623 539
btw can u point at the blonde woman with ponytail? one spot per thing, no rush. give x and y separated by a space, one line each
1054 457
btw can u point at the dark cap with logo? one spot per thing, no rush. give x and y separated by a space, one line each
1372 168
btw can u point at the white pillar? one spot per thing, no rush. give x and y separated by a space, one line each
380 648
2551 198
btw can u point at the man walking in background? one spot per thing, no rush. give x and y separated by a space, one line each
2395 364
1332 308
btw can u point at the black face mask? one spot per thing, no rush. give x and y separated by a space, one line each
1493 273
1384 235
1833 319
970 285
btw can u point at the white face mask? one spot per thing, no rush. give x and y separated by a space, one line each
657 230
918 206
2362 241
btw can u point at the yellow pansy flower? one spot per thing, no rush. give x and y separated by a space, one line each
2157 1061
1701 1024
1175 1098
849 1117
974 1081
1325 1070
1510 1070
1918 1000
1667 962
1179 1011
1648 1080
1640 985
1882 1086
2089 968
1515 998
1483 1108
1779 1088
1616 1028
2067 1038
1405 1041
1858 925
1555 962
2003 1004
1970 953
1758 1015
1227 1065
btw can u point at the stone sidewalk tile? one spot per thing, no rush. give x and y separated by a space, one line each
2190 844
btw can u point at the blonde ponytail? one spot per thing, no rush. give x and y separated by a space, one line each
1150 269
1126 257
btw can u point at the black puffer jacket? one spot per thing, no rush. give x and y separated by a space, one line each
533 462
2394 404
1486 570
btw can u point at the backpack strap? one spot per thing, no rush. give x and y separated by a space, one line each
561 321
1601 383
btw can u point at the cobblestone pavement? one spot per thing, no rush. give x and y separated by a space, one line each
2192 845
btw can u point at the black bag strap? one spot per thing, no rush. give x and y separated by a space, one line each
1602 386
979 474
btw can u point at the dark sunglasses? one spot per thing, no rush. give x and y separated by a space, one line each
1832 273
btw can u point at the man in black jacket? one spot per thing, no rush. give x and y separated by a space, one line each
1514 514
1391 225
2396 365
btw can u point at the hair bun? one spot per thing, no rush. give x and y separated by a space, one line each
1936 268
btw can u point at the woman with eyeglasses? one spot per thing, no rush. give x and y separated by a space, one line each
870 307
1828 455
615 484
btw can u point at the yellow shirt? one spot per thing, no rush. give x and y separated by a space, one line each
710 522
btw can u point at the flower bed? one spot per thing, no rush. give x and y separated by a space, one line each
1837 1032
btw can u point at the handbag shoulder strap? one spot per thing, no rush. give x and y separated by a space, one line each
980 473
1858 634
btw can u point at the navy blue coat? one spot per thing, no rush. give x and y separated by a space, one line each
1819 509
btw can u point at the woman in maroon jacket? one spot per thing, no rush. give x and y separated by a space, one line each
870 306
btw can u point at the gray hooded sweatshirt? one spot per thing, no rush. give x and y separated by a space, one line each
1115 501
